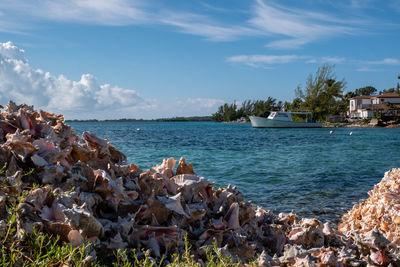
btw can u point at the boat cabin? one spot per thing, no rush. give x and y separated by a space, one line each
287 116
281 116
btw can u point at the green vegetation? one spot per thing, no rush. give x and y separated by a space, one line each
323 95
214 258
367 90
231 112
41 249
390 90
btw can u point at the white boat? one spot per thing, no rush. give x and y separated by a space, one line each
281 119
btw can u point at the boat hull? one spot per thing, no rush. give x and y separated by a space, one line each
260 122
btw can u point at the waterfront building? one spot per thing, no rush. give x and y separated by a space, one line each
364 107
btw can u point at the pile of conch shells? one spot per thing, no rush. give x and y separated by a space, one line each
88 193
374 224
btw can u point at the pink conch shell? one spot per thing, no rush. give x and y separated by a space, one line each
43 146
377 257
174 203
82 219
166 168
38 160
184 168
327 230
26 122
94 140
117 242
190 186
75 238
7 127
232 216
54 213
22 149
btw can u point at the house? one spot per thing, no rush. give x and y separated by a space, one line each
363 107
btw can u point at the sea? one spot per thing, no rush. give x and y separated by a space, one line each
310 171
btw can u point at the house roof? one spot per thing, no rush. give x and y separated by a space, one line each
362 97
389 95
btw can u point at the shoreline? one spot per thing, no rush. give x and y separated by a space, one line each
356 125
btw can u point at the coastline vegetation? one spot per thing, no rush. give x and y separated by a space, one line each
177 119
322 95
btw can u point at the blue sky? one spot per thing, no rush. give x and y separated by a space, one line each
154 58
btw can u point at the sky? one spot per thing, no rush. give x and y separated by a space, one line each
111 59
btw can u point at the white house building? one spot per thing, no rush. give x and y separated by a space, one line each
363 107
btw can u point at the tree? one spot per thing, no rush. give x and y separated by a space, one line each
387 91
262 108
321 93
367 90
295 105
230 112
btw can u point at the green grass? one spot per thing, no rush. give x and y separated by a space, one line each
40 249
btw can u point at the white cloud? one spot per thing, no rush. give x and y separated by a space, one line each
9 51
287 43
86 98
260 60
299 25
333 60
293 27
204 26
386 61
361 3
196 106
311 61
103 12
24 84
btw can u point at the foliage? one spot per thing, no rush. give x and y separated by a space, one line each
390 90
367 90
214 258
365 121
377 115
40 249
231 112
37 249
322 93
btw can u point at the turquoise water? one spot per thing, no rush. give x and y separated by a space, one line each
307 170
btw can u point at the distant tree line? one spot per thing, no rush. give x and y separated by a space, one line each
323 95
231 112
177 119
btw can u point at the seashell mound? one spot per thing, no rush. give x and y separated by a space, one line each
83 190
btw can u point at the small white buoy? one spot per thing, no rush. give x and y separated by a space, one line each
351 133
331 132
138 129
